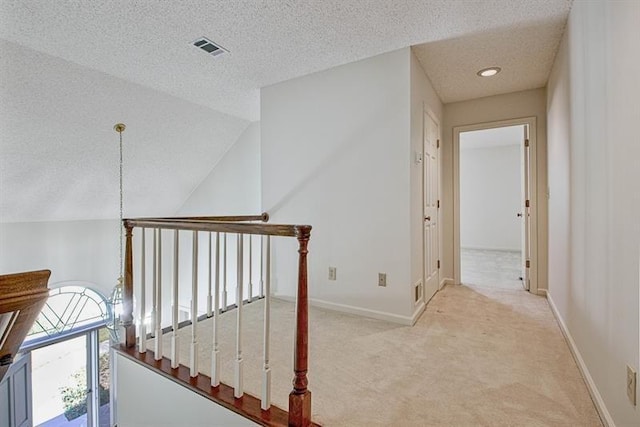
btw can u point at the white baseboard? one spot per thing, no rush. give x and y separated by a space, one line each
446 281
542 292
418 312
365 312
605 416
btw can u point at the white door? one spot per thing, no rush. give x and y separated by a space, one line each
430 208
525 210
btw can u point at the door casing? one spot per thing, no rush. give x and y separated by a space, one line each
533 168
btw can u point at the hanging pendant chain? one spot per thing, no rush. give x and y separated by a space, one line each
121 213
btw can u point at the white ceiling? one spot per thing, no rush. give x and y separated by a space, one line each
59 152
70 69
496 137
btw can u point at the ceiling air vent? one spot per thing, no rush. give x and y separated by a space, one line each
209 46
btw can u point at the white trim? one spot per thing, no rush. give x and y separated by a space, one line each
446 281
365 312
542 292
533 197
604 414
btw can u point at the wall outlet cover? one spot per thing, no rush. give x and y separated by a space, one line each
382 279
333 273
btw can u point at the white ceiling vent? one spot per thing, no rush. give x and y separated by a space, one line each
210 47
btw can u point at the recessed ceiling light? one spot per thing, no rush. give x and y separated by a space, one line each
488 72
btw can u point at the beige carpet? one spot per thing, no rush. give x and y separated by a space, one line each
477 357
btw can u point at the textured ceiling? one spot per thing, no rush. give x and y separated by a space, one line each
147 41
70 69
524 52
59 152
497 137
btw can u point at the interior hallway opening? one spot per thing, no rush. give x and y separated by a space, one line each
491 207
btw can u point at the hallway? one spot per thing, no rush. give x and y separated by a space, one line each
477 357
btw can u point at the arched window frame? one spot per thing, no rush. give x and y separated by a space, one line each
58 325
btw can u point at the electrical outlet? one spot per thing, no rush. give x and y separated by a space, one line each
382 279
332 273
631 385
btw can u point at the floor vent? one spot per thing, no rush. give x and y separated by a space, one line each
210 47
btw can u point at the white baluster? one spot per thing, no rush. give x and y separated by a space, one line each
194 308
225 301
158 342
154 283
238 383
209 296
265 402
261 290
215 360
142 344
250 296
174 314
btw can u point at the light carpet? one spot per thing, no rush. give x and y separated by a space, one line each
477 357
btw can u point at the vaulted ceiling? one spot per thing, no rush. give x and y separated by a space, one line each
69 70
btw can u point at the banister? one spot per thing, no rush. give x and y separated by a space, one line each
221 226
264 217
300 396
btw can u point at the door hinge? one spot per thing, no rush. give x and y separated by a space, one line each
526 203
438 143
438 204
527 264
438 263
526 142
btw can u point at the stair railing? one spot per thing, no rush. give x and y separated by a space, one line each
217 229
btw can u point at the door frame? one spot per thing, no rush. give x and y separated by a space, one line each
427 111
533 192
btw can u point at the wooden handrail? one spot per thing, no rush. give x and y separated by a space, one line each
264 217
221 226
22 296
300 396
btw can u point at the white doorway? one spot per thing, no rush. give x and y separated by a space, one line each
431 204
495 221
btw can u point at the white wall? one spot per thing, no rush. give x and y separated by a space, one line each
233 185
72 250
89 250
335 154
148 399
231 188
490 196
423 96
530 103
594 209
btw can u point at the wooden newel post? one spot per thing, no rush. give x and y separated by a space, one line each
300 396
127 300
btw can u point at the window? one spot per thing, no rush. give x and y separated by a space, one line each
69 346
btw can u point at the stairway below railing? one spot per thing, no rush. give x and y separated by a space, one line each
22 296
218 230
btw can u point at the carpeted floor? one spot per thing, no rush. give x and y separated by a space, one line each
477 357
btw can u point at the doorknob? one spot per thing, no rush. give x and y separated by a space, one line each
520 214
427 218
